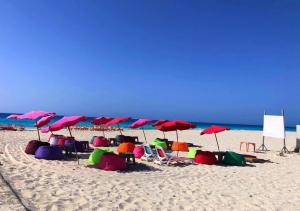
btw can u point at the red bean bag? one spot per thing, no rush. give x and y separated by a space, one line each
33 145
100 142
126 147
138 151
112 162
205 157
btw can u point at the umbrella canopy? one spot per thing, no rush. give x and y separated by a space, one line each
141 123
117 121
213 130
33 115
66 121
101 120
13 116
44 121
159 122
175 125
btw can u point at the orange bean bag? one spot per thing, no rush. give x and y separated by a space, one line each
180 146
126 147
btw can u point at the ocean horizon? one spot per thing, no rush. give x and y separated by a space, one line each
201 125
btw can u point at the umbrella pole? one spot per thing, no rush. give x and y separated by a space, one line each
164 135
177 142
38 131
217 142
144 134
120 129
103 133
74 146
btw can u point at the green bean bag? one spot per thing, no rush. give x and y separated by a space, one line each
157 142
234 159
192 152
96 155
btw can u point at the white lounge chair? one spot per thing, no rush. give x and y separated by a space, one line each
164 158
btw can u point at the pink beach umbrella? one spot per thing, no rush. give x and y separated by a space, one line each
141 123
117 121
101 121
44 121
33 115
13 116
66 121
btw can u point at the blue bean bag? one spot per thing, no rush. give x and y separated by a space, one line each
70 145
49 153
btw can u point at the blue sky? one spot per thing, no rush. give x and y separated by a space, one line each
209 61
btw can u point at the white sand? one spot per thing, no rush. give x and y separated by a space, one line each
63 185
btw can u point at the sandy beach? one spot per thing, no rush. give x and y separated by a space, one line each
64 185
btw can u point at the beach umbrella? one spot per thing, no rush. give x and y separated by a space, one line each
213 130
44 121
67 122
13 116
117 121
33 115
159 122
141 123
175 125
101 121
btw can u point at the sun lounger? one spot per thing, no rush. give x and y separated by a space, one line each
163 158
148 153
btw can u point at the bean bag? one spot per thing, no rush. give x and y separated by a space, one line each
61 141
234 159
192 152
33 145
126 147
96 155
159 142
204 157
180 146
49 153
70 145
112 162
101 142
138 151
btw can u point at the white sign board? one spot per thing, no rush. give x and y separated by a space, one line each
274 126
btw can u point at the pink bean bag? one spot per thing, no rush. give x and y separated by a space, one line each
100 142
112 162
138 151
204 157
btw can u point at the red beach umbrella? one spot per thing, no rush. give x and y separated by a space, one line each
101 121
159 122
213 130
141 123
175 125
66 121
33 115
117 121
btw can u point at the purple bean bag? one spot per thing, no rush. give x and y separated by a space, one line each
33 145
138 151
112 162
49 153
100 142
70 145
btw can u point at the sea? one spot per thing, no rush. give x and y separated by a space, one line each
30 123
